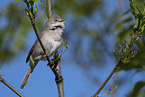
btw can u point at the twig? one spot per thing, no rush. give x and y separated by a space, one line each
8 85
49 7
107 79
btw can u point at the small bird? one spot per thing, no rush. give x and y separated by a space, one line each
51 38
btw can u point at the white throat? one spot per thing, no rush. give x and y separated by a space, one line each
57 25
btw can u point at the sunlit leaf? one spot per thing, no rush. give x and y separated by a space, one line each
110 91
3 76
31 15
27 12
35 11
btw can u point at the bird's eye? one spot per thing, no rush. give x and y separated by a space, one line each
56 20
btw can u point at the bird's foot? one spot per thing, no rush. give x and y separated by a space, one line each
45 54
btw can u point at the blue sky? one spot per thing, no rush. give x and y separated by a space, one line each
42 84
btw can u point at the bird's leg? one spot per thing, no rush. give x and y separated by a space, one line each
50 64
53 64
44 54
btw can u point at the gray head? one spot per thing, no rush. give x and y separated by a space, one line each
55 22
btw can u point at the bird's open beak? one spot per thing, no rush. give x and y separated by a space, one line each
63 21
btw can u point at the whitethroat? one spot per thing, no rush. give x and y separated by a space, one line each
51 38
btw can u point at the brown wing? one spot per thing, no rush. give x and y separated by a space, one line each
32 49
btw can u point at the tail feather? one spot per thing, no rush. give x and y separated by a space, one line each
30 69
26 78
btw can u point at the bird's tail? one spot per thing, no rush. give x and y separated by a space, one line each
26 78
28 73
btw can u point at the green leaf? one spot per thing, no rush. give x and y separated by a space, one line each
140 13
132 5
118 47
35 1
127 19
135 14
31 15
110 91
139 44
115 52
27 12
127 12
35 11
119 26
3 76
137 88
133 8
124 45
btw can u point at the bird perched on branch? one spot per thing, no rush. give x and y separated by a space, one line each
51 39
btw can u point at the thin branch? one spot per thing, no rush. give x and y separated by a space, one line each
58 76
49 8
107 79
8 85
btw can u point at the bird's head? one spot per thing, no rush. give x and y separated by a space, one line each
55 22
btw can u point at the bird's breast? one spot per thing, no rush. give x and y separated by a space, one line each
51 43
